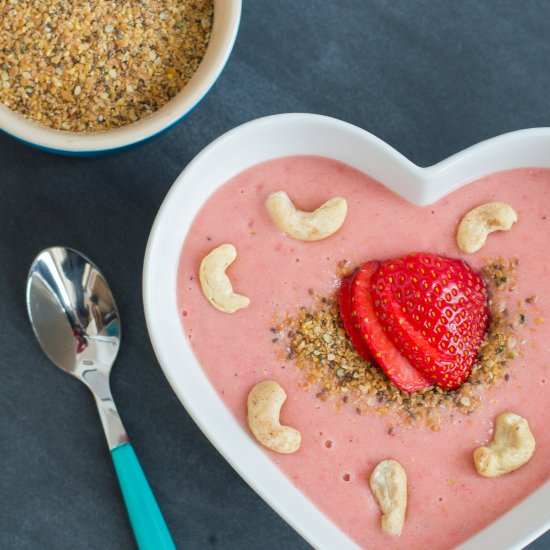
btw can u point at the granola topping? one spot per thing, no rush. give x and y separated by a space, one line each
90 66
316 341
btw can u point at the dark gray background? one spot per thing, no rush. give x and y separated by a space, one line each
429 77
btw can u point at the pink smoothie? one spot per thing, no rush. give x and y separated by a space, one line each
448 500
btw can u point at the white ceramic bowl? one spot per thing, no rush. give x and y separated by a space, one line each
304 134
227 14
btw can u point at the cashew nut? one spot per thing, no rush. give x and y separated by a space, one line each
264 406
388 483
512 446
215 284
479 222
306 226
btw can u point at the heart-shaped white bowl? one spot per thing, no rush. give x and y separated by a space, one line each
305 134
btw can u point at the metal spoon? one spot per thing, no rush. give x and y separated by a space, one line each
76 321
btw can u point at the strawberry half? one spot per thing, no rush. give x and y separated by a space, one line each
398 369
434 309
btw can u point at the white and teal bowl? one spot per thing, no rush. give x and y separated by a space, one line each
227 15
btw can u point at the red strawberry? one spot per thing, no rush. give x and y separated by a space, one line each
395 365
434 309
349 318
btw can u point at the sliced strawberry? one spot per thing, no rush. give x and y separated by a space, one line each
393 291
349 318
410 342
434 309
398 369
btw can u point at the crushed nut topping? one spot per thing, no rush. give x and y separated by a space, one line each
89 66
316 341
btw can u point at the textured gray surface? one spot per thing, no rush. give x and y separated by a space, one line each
428 77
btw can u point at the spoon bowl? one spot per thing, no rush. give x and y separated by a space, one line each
73 313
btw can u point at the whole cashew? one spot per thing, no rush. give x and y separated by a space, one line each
388 483
512 446
215 284
479 222
306 226
264 406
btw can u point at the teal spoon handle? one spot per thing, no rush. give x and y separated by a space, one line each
146 518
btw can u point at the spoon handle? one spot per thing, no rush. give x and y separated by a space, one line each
146 518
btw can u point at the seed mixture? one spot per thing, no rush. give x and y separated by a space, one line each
88 66
316 341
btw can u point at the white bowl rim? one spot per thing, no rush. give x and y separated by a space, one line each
524 148
227 16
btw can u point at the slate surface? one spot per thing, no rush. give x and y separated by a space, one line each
428 77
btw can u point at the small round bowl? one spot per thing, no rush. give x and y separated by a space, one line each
227 15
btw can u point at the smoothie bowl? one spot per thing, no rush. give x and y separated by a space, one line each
374 362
